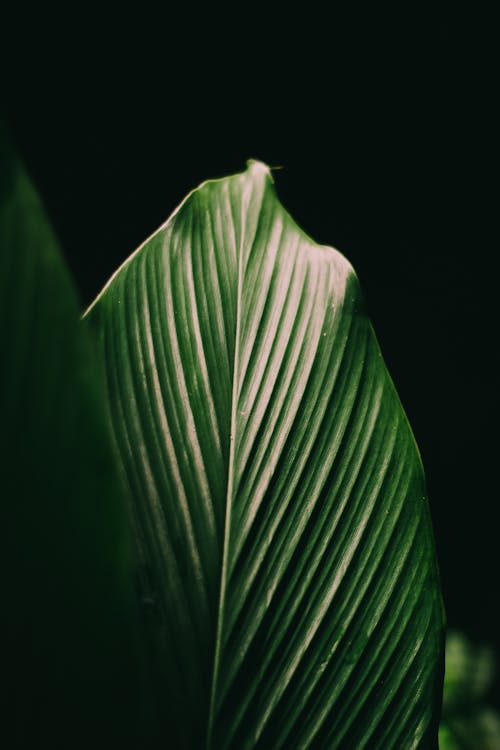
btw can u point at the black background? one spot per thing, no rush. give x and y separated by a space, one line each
383 125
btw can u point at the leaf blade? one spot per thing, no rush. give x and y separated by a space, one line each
68 569
300 475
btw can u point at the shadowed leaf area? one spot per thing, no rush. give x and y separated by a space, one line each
278 497
70 661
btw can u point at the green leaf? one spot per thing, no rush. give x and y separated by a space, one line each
278 496
70 660
470 670
468 723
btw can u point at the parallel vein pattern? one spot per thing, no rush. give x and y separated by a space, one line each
277 492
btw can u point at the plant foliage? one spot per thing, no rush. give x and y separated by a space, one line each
277 494
70 664
468 723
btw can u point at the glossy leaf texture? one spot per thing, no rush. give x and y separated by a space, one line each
278 495
70 664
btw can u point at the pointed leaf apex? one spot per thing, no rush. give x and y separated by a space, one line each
256 167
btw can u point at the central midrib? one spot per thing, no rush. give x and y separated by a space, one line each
229 494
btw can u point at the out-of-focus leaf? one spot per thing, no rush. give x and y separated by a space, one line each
69 665
470 669
467 723
279 498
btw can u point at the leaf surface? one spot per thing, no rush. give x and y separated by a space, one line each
467 721
69 657
278 495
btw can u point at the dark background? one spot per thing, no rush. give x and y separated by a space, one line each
383 125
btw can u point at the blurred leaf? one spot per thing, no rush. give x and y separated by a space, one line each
70 660
470 669
467 723
279 497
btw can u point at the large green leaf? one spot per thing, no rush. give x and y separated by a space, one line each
69 660
278 495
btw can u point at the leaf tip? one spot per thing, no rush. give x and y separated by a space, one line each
256 167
